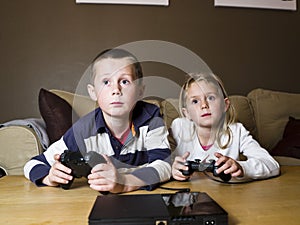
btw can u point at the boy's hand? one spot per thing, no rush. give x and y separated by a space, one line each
230 166
105 177
177 166
58 174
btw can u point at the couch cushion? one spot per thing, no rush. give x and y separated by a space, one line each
289 145
170 110
244 113
152 101
57 114
272 110
81 104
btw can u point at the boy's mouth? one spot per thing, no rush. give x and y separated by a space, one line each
116 103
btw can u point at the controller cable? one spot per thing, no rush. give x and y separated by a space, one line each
237 182
180 190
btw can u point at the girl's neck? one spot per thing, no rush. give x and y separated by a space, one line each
206 136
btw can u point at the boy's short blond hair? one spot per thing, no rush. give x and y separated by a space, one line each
117 53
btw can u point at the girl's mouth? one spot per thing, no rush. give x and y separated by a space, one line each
206 114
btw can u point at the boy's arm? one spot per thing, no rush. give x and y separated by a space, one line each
39 166
158 169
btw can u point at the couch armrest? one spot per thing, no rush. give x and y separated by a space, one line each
18 145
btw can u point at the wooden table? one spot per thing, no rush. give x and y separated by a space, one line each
273 201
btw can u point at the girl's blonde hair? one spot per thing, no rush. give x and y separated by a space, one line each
229 117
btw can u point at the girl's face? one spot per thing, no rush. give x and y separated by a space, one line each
115 88
205 104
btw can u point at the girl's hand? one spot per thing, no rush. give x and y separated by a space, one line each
178 165
105 177
58 174
230 166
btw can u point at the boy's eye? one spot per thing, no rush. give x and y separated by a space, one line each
105 82
124 82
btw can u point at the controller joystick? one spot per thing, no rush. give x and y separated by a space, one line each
201 167
80 165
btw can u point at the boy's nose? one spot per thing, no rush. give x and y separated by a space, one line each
116 90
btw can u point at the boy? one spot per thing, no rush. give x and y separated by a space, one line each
130 134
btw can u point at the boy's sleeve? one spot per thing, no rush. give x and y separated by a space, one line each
38 167
158 169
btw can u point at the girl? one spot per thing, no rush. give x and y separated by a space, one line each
207 130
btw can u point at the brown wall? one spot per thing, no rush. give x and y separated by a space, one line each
49 43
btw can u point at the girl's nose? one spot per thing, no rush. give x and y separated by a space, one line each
204 104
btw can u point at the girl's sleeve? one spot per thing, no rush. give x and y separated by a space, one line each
259 164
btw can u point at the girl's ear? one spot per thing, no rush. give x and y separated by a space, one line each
92 92
227 103
185 113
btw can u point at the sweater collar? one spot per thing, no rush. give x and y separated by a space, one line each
142 113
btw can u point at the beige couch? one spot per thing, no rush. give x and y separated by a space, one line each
264 113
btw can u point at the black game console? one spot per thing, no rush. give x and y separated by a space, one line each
202 167
80 165
188 208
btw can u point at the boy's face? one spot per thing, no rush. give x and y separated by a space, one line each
115 88
205 105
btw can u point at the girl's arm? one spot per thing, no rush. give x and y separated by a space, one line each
259 164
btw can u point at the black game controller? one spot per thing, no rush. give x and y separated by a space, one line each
80 166
201 167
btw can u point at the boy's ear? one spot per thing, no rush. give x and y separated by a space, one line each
92 92
141 91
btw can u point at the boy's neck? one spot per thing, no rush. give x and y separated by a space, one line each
118 126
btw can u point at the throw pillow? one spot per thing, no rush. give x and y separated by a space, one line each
290 143
57 114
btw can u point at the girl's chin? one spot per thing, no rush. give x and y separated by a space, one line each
207 125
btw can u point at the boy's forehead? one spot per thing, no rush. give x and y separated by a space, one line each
110 66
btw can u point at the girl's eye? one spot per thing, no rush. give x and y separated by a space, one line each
194 101
211 98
